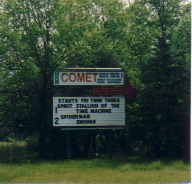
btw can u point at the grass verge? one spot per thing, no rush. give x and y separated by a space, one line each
96 171
101 170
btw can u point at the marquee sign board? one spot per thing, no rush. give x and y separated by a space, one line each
103 112
89 78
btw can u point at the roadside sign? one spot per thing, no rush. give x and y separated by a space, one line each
95 112
89 78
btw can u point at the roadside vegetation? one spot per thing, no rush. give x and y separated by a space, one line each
17 165
149 40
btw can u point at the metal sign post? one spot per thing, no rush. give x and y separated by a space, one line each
67 132
110 142
68 143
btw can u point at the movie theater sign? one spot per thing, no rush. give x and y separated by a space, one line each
89 78
89 111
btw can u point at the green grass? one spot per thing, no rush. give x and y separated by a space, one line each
96 171
101 170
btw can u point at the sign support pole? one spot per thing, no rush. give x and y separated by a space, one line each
110 144
67 132
68 144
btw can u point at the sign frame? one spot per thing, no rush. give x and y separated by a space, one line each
89 77
99 112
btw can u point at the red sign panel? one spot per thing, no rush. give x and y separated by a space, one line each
129 91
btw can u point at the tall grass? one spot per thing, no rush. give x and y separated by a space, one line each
101 170
16 152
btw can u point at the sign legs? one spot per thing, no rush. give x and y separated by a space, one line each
68 143
110 139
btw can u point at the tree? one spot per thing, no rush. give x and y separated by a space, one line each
164 87
144 38
39 37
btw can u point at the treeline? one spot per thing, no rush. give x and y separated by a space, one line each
149 39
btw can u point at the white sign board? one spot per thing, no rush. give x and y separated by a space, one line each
88 111
88 78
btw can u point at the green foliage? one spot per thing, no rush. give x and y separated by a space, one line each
149 39
13 152
165 84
